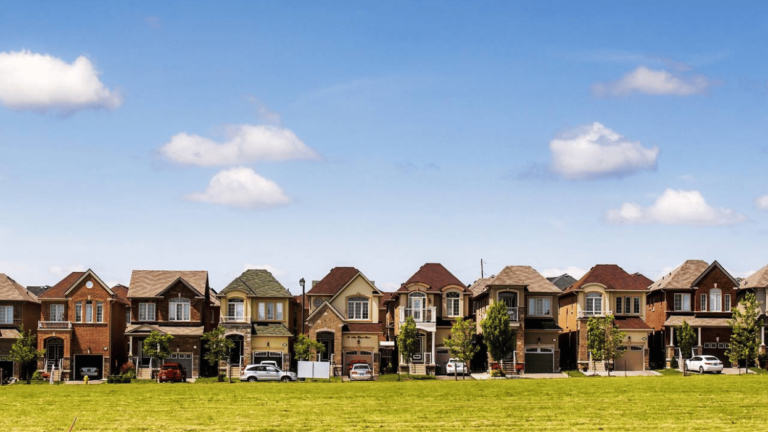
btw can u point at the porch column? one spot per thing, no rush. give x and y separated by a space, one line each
762 335
130 346
671 336
699 336
434 334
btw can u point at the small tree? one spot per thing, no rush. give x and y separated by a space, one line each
305 348
745 330
218 348
686 338
595 340
407 342
614 340
460 343
498 335
25 352
158 347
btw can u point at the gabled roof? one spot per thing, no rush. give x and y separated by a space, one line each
711 267
563 281
435 276
121 293
257 283
329 306
334 281
38 290
213 299
613 277
270 329
151 283
526 276
12 290
677 320
479 286
682 276
758 279
59 290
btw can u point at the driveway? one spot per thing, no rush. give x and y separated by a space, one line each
726 371
544 376
627 373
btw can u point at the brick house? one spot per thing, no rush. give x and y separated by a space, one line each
344 317
531 302
170 302
606 289
257 316
757 283
81 325
702 295
434 298
18 308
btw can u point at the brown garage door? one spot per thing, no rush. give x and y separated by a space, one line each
632 360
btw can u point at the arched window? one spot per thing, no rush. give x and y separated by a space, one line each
509 298
179 309
594 304
417 300
453 304
715 300
357 308
235 308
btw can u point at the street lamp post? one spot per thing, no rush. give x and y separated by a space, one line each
303 302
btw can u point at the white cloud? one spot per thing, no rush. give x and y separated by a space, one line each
267 267
762 202
241 187
674 207
61 271
594 151
245 143
574 271
652 82
40 82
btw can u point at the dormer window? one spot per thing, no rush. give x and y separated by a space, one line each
179 309
453 304
235 308
594 304
357 308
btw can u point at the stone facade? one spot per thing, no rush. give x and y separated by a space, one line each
328 321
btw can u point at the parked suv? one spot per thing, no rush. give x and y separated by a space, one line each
261 372
173 372
704 363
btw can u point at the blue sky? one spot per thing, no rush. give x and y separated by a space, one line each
380 135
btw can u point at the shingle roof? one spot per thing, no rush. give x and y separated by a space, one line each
12 290
258 283
38 290
676 320
363 327
613 277
631 323
150 283
478 287
758 279
270 330
386 297
9 334
563 281
334 281
524 275
59 290
681 277
121 293
435 276
171 330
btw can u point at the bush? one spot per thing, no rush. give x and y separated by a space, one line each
675 364
37 376
129 374
127 367
497 373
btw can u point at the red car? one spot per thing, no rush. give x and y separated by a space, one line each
173 372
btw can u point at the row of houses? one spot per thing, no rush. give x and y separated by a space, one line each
81 322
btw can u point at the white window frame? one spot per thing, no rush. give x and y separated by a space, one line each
636 306
6 314
627 305
539 306
453 304
715 300
233 309
88 311
727 303
144 312
703 298
127 316
357 308
596 304
619 304
57 312
279 311
99 312
78 312
270 311
682 297
179 306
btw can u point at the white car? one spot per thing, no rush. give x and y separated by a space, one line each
455 367
259 372
361 372
90 372
704 363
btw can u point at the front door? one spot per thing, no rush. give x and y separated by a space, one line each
418 355
143 359
54 351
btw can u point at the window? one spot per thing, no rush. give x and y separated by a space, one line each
89 311
357 308
6 314
127 316
453 303
704 302
270 311
279 311
721 346
57 312
727 303
539 306
683 302
211 316
146 312
627 305
636 303
594 304
235 308
99 312
178 309
715 300
417 300
635 348
262 313
79 312
619 304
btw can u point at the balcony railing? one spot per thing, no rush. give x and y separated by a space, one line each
54 325
423 315
587 314
233 319
513 315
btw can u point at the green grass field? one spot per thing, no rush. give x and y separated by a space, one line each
643 403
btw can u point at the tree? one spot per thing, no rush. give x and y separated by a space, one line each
158 347
745 328
24 351
614 340
686 338
305 348
407 342
460 343
498 335
218 347
595 340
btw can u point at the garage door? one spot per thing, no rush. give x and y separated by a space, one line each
184 359
442 357
539 360
718 350
349 356
89 361
631 360
7 367
274 356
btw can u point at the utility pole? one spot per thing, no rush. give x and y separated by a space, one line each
482 274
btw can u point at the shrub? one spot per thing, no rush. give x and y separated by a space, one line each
37 376
129 374
126 367
497 372
675 364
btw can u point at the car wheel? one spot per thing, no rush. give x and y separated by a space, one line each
285 379
701 370
719 372
251 379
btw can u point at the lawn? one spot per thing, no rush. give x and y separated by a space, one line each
713 402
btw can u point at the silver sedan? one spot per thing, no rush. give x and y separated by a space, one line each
361 372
